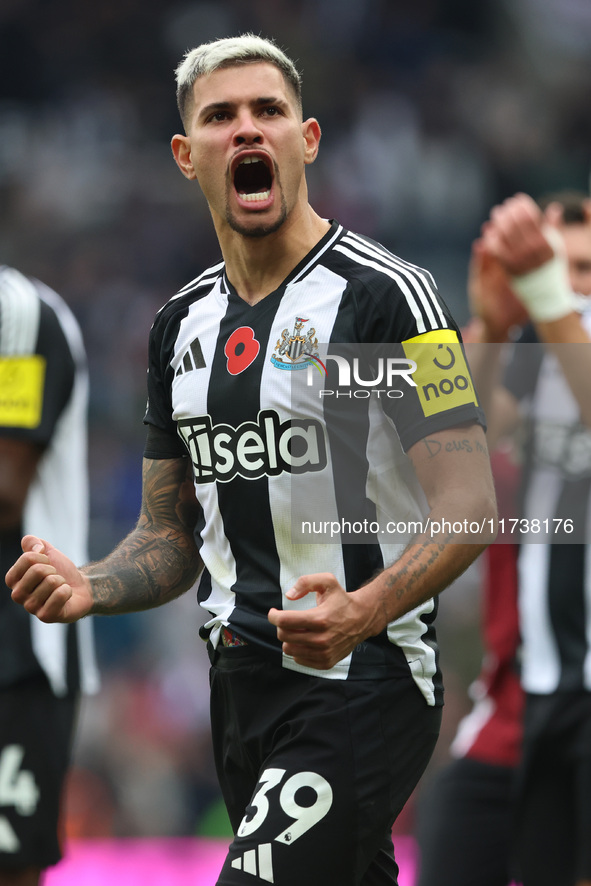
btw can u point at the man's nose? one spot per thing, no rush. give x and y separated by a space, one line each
247 130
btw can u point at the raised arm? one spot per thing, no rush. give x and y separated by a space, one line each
453 468
496 312
527 244
157 562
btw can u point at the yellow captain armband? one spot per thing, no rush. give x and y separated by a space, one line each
442 377
21 391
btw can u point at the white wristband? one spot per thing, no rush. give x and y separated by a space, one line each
546 292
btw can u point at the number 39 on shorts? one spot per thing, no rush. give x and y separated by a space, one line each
304 817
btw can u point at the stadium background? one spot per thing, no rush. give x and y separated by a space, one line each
431 112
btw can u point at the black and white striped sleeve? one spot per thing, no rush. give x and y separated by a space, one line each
401 299
37 367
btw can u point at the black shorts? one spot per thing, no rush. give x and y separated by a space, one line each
35 742
554 802
465 825
314 771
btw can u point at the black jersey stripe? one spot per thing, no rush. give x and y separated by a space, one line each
568 616
419 276
72 659
244 503
568 564
424 273
317 255
410 299
347 425
415 276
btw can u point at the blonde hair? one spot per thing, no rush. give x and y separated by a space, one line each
225 53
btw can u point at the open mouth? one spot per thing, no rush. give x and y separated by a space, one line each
253 179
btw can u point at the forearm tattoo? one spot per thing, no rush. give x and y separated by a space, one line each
420 573
158 560
413 571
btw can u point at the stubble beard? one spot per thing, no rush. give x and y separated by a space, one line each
263 229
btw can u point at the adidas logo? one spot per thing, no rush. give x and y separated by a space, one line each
193 359
257 862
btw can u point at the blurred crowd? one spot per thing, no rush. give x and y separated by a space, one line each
431 112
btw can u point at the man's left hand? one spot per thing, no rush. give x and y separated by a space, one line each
325 634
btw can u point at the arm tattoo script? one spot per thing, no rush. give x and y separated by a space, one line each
413 571
464 444
158 560
405 582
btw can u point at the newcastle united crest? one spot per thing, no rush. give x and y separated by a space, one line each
296 350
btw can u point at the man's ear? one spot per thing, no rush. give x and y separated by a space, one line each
181 149
311 133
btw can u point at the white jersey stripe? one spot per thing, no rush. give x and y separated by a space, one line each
70 447
378 249
203 321
407 632
288 495
209 274
410 299
20 313
416 275
206 279
541 660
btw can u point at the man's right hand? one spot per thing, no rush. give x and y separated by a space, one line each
48 584
492 301
520 235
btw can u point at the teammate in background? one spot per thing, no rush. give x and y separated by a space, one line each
43 488
465 814
554 777
325 686
467 819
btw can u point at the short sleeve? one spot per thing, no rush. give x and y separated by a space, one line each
430 387
37 368
162 440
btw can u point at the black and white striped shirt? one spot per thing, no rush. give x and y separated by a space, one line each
269 445
554 578
43 400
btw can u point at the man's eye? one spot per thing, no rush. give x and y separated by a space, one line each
271 111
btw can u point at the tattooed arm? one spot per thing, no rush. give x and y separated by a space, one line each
454 470
157 562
